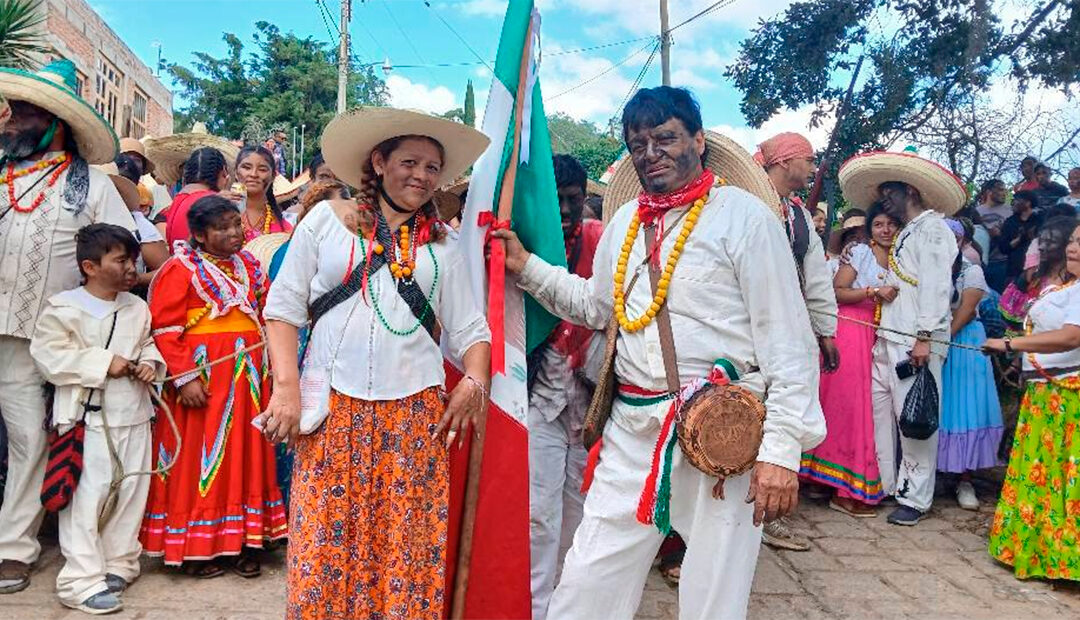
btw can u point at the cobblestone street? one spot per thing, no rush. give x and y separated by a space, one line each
857 569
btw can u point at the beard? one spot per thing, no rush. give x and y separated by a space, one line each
21 145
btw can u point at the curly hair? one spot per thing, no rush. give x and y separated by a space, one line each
368 192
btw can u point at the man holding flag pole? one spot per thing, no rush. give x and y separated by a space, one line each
721 304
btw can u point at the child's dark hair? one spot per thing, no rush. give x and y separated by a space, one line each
316 161
261 151
206 212
93 242
127 167
204 166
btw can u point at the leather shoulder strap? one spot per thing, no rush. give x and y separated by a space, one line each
663 320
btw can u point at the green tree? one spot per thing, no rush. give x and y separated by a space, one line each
469 113
932 66
284 80
596 150
21 26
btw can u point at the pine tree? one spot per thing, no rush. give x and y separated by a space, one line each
469 116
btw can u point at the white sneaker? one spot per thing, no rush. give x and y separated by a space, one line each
965 496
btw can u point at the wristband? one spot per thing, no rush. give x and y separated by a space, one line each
923 334
477 383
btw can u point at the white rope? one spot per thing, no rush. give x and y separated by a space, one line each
947 343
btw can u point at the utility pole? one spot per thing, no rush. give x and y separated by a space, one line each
343 55
665 45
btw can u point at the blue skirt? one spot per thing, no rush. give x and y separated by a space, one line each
971 425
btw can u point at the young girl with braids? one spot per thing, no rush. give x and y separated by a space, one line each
371 397
260 213
221 498
205 173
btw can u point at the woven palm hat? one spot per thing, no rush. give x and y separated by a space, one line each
837 236
131 145
724 157
129 192
169 153
595 188
264 247
53 89
285 190
861 175
348 140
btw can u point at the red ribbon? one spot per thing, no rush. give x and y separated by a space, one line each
496 289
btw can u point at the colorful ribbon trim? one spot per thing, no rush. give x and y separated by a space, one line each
496 289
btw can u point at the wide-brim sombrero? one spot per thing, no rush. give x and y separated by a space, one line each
47 90
265 246
595 188
169 153
348 140
131 145
129 192
861 175
728 161
285 190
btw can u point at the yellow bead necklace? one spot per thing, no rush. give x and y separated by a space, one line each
895 267
633 325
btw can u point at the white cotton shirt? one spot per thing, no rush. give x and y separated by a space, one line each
37 249
148 233
734 294
868 272
971 277
1055 311
364 360
925 250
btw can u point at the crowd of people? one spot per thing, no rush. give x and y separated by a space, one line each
278 374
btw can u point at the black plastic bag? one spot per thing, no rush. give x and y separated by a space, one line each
919 419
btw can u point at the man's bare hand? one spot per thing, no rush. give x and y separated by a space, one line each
516 254
774 492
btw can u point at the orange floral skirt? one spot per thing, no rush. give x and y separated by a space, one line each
368 512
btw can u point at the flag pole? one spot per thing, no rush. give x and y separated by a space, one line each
476 448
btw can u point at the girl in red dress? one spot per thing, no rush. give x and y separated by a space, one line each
221 498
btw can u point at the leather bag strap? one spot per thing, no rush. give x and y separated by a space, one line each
663 318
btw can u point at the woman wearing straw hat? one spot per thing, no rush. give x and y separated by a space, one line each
47 193
919 193
726 281
369 397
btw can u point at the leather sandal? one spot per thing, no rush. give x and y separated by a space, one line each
14 576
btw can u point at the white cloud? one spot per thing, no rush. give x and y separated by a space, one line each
405 93
643 16
785 120
597 99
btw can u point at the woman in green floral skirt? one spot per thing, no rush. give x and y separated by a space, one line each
1036 528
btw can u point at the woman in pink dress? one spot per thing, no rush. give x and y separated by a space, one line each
847 460
259 211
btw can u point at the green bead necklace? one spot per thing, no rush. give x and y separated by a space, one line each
427 302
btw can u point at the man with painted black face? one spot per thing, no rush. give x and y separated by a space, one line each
919 193
732 298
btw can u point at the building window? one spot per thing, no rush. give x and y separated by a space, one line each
107 88
138 115
80 83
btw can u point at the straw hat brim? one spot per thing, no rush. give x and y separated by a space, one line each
96 140
595 187
170 152
861 175
264 247
131 145
129 192
836 237
348 140
458 188
724 157
285 190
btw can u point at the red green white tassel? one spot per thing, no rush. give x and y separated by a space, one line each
660 471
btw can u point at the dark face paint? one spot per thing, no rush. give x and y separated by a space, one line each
666 157
24 131
571 204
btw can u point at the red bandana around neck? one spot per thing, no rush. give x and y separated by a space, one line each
653 206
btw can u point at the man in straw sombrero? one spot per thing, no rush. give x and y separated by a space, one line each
48 192
920 193
788 159
725 277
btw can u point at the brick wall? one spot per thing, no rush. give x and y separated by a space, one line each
77 33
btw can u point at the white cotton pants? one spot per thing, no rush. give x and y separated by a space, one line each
22 404
610 558
556 464
912 480
90 552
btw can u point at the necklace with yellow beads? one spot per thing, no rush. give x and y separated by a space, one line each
633 325
894 266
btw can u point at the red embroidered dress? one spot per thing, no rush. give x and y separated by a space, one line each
221 494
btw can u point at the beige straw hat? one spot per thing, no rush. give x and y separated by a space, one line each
170 152
724 157
129 192
837 236
53 89
264 247
861 175
131 145
287 190
595 188
348 140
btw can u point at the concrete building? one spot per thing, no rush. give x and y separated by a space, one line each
110 76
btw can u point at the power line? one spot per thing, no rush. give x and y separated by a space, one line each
458 35
622 62
712 8
640 78
408 39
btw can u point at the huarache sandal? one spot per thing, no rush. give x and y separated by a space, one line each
246 566
202 569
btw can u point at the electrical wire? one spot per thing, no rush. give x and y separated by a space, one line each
652 41
427 3
712 8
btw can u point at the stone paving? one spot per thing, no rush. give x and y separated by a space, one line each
859 569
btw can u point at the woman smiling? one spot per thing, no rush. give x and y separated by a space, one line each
259 213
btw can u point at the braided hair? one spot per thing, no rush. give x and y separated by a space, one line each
368 192
269 157
204 166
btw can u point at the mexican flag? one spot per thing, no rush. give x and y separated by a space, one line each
513 184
